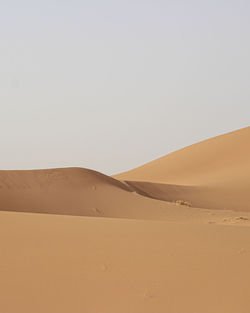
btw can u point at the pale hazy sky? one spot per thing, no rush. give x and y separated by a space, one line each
110 85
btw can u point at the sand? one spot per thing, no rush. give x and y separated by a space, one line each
213 174
75 240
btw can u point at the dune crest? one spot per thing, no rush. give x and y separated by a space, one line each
74 191
214 173
209 162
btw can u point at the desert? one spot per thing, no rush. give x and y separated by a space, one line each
170 236
124 156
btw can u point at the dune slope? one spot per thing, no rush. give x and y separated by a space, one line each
214 173
74 191
222 159
64 264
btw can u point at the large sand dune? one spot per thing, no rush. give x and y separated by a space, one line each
222 159
213 174
128 247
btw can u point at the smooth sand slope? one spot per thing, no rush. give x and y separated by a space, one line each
74 191
213 174
65 264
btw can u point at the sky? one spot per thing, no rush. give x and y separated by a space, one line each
111 85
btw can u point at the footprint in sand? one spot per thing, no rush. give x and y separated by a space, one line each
235 220
148 295
97 211
241 218
243 251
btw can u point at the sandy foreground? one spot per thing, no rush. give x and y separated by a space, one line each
171 236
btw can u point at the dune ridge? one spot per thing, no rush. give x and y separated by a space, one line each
213 174
74 191
209 162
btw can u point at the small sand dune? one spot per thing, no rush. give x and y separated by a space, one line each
74 191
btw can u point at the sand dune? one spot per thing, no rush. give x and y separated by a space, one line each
213 174
123 244
74 191
222 159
